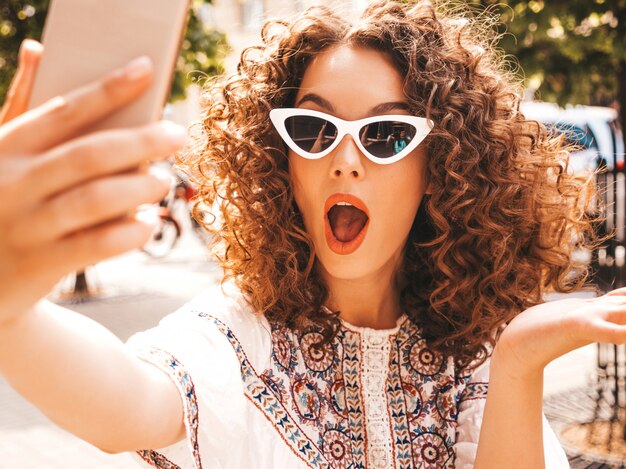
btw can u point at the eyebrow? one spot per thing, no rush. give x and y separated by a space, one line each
378 109
386 107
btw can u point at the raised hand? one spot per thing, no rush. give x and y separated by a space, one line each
67 197
511 433
546 331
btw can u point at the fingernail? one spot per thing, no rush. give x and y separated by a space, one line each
148 216
31 46
162 175
175 133
138 68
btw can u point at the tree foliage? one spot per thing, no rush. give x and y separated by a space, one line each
202 53
571 51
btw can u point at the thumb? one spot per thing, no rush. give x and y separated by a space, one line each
16 101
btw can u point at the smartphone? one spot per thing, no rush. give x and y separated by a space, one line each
85 39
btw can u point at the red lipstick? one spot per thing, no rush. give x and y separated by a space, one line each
334 244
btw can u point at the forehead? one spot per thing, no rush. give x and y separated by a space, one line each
352 79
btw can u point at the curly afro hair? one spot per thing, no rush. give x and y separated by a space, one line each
499 229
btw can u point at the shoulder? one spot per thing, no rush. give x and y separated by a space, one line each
225 308
218 319
200 348
226 304
222 305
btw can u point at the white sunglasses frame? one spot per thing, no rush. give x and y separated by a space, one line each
422 126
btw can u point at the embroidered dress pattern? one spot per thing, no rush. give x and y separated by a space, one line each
364 400
157 460
267 402
183 381
475 391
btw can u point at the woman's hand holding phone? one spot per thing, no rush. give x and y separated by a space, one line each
66 194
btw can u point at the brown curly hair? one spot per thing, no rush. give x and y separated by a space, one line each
498 230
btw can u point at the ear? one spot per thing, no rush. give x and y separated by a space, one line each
429 189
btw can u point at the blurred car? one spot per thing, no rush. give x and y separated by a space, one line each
593 129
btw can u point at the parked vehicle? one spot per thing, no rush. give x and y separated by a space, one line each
604 130
594 130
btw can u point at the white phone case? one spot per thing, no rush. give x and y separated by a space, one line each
85 39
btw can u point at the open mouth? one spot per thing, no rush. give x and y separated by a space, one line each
347 220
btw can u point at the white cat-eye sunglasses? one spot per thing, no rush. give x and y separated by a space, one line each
383 139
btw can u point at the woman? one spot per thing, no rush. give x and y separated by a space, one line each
366 292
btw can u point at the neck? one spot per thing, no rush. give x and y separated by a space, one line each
371 301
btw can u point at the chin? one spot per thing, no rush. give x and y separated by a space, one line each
353 267
344 271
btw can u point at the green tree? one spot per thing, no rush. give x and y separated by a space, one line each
202 53
570 51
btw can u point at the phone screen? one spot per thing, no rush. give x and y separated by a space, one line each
85 39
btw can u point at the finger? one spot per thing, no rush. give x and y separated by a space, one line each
99 243
64 117
607 332
610 299
99 154
16 101
40 269
83 159
614 313
85 206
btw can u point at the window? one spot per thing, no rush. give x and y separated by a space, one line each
581 137
252 13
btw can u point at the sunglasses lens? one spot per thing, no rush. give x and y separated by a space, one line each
385 139
311 134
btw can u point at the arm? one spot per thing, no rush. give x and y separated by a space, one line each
512 434
364 136
65 205
81 376
471 420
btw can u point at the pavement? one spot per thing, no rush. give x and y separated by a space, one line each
134 293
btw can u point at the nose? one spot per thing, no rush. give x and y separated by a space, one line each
347 160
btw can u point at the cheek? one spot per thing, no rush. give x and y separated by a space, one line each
404 190
303 181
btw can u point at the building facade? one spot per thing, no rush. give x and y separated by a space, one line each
241 20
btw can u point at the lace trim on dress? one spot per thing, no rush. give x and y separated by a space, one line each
376 347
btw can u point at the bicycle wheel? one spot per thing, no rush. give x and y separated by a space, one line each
164 239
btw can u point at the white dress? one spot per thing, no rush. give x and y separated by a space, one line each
256 395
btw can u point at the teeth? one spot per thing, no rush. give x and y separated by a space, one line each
344 204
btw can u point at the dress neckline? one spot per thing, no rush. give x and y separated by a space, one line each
371 331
